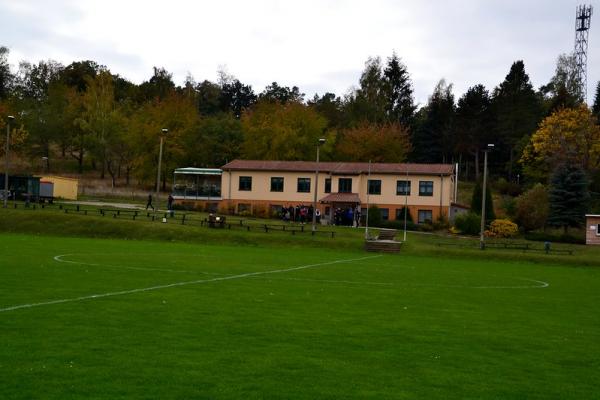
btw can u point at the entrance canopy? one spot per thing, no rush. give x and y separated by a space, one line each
341 198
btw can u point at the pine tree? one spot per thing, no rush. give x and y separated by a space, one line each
433 138
517 111
399 93
596 106
569 197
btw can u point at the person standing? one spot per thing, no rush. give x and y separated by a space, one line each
149 202
170 200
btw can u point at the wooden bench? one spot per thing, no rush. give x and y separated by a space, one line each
384 242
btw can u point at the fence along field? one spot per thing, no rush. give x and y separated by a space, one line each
171 320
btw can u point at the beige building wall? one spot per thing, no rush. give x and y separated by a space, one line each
64 188
438 203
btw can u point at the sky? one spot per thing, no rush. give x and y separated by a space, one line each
318 45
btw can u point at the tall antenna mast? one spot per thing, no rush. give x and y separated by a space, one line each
583 17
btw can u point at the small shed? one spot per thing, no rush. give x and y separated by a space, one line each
64 188
592 229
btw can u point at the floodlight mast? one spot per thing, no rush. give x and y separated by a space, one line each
164 133
489 147
10 118
314 211
583 18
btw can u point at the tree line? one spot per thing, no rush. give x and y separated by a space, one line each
105 123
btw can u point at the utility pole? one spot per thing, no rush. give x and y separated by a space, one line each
482 228
7 163
314 212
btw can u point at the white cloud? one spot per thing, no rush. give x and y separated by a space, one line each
316 45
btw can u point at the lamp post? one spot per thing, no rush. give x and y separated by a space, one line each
314 213
160 151
489 147
7 164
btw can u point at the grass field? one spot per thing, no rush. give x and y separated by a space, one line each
101 318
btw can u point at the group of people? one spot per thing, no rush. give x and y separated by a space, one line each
347 217
301 214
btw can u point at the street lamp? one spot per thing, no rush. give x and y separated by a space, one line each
7 164
160 151
489 147
314 213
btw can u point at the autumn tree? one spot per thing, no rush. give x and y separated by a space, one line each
388 142
275 131
568 135
178 114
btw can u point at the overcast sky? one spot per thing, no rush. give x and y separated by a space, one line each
318 45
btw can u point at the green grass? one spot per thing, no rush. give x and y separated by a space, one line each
433 322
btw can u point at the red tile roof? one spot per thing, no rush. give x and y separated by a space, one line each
341 198
340 168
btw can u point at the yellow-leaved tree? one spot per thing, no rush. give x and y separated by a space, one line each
568 135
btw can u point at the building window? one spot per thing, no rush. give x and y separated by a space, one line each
425 188
598 230
277 184
303 185
327 185
403 188
374 186
345 185
425 216
246 183
385 213
400 214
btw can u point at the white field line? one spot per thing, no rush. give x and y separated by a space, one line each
60 260
541 285
176 284
333 281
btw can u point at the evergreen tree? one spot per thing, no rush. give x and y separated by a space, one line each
517 112
398 91
569 197
490 215
473 123
5 75
433 138
596 106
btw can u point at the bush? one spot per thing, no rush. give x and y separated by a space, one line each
532 208
399 225
374 216
502 228
507 188
468 223
509 206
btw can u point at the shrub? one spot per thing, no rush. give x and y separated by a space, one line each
502 228
532 208
507 188
374 216
468 223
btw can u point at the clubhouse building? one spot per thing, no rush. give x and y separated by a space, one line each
240 186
